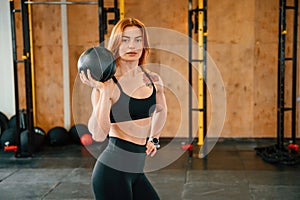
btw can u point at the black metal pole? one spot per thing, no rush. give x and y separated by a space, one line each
204 76
101 21
190 106
28 76
294 74
117 12
281 73
279 153
15 67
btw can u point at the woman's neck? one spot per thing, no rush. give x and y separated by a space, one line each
128 67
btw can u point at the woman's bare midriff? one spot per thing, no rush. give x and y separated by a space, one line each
135 131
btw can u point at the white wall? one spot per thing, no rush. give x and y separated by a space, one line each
7 103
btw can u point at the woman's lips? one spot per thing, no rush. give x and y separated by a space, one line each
131 53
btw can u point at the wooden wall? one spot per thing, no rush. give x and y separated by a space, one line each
242 41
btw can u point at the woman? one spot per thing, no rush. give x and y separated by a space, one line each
131 110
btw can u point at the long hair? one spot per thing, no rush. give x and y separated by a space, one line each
116 38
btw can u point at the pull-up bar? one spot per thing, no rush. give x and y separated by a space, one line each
62 3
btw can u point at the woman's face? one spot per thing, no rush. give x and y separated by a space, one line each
132 44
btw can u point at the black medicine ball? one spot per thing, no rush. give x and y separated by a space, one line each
9 135
38 139
3 123
100 61
58 136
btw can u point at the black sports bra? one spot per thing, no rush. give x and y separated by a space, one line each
128 108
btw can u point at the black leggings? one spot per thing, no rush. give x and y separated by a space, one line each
118 173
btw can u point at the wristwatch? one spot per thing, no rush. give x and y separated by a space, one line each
155 141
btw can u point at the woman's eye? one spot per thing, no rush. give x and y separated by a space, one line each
125 40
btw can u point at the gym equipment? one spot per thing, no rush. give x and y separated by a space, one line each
285 152
100 61
15 66
293 147
9 147
58 136
8 137
86 139
27 54
12 123
3 123
77 131
63 3
39 136
200 27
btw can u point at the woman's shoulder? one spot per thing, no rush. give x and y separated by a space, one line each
155 77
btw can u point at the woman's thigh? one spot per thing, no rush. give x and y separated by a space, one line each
142 189
110 184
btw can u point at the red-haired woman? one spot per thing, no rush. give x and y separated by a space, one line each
130 109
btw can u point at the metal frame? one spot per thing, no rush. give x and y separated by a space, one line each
26 58
202 78
282 59
102 13
28 80
61 3
281 152
15 66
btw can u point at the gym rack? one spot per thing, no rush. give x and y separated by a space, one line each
200 27
280 152
27 56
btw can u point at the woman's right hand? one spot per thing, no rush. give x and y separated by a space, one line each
90 81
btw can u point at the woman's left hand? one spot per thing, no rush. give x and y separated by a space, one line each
150 149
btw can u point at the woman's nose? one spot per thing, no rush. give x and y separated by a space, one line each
131 45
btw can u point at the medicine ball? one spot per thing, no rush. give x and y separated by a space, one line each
38 138
77 131
58 136
9 135
86 139
100 61
3 123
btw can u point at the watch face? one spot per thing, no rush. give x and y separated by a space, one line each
155 140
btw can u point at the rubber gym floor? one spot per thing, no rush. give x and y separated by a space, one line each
232 170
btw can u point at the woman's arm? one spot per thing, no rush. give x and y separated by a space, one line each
160 114
99 122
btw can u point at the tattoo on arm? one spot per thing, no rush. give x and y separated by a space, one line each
154 78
